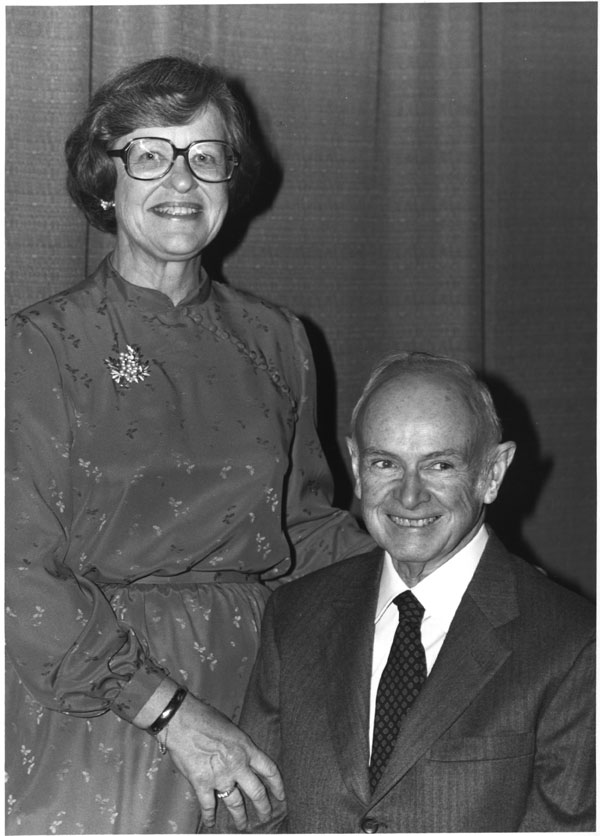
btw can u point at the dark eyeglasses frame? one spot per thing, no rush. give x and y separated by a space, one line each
123 153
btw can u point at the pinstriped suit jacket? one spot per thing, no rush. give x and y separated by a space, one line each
501 737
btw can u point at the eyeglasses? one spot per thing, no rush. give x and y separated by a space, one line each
149 158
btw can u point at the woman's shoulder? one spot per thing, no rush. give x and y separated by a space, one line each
56 306
269 335
249 304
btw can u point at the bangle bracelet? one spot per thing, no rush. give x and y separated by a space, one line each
171 709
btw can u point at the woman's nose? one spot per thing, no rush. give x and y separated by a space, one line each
180 176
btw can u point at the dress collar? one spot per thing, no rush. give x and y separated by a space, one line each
148 298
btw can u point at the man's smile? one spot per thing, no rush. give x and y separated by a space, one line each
409 522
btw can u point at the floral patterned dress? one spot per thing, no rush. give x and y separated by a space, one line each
163 469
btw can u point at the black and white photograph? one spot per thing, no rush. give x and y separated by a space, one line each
300 413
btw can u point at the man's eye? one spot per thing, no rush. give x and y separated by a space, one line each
382 464
442 466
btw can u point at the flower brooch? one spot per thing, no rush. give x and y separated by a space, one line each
128 367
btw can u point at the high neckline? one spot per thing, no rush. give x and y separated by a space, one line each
148 297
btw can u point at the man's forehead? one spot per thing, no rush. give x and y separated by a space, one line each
417 387
426 403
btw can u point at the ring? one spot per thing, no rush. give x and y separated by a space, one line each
225 793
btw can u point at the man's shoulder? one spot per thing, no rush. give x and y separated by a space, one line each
555 601
541 597
352 571
309 606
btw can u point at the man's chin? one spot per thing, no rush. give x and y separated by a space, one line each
411 543
413 566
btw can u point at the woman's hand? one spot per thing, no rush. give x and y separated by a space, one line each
216 756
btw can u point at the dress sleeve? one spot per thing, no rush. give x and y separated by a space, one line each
319 533
62 636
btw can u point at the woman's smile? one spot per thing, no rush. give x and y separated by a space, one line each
178 211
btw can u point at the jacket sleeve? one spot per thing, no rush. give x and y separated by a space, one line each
62 636
319 533
562 796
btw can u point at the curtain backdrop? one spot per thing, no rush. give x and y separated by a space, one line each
432 185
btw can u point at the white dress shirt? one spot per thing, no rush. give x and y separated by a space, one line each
439 593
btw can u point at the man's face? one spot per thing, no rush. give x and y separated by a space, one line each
421 473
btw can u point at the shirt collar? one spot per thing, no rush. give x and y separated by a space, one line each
441 592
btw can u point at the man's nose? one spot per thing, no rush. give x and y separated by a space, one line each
410 489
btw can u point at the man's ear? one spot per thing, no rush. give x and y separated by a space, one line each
498 463
354 456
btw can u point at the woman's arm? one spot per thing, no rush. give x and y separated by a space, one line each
62 636
320 534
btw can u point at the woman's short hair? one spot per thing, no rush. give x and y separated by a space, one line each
162 91
474 391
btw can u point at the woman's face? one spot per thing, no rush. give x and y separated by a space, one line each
174 218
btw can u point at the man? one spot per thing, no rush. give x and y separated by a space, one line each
495 732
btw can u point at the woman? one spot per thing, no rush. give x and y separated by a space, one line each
163 468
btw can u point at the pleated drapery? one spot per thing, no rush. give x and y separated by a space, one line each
432 186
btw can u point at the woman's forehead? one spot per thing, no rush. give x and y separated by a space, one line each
207 123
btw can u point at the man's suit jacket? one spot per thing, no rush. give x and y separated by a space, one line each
501 737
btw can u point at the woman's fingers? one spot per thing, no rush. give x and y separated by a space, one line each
236 807
256 795
218 758
208 804
267 770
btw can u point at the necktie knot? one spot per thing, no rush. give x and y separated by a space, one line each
409 607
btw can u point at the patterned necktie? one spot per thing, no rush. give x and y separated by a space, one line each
400 682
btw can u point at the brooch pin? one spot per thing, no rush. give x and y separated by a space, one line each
129 367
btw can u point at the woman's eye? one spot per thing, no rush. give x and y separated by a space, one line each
145 156
441 466
203 160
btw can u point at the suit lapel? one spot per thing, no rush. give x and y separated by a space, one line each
470 656
348 653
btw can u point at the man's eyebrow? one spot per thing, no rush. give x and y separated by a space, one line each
377 451
450 452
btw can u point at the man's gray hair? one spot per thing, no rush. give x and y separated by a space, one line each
474 391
